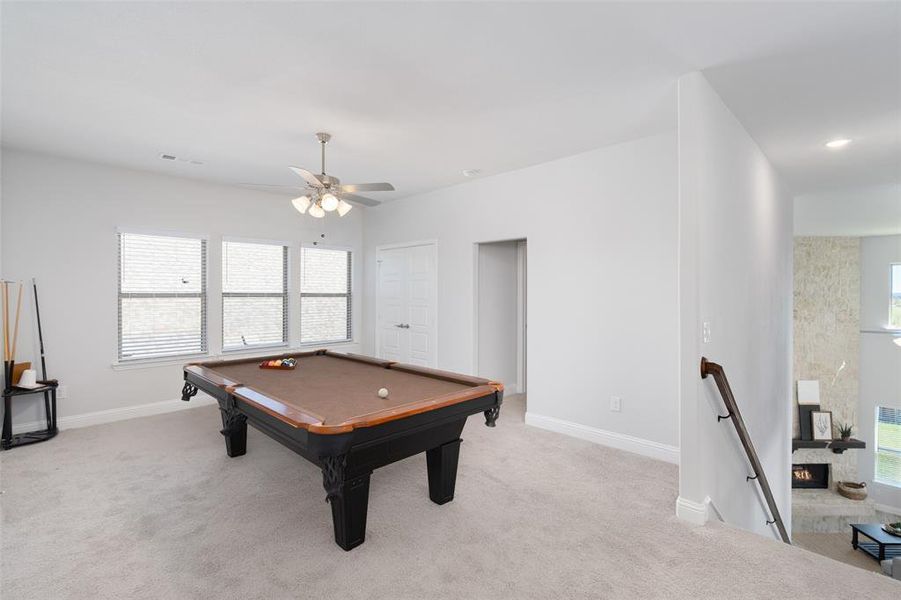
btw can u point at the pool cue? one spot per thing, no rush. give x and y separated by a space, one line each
16 327
5 322
37 313
7 367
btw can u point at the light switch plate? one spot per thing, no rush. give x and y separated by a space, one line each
616 404
706 332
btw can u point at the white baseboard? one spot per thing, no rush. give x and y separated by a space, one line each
696 513
892 510
619 441
117 414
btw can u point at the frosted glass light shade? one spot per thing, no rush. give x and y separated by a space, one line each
316 211
344 208
301 204
329 202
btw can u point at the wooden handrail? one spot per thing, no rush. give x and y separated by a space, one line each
719 376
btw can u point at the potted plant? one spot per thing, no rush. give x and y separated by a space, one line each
844 431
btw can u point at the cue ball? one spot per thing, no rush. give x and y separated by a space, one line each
383 392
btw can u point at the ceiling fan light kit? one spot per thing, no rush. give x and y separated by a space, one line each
324 193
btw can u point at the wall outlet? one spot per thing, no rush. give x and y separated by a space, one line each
62 392
705 332
616 404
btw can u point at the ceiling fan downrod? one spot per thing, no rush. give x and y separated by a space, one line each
323 140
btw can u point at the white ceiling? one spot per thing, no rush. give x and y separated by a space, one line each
415 93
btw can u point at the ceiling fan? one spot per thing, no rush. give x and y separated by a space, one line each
324 193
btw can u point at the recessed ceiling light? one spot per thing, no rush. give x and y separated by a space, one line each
471 172
838 143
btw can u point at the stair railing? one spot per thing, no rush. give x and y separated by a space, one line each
719 376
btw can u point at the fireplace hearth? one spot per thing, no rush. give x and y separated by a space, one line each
810 475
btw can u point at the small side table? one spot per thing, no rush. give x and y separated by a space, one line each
883 546
48 388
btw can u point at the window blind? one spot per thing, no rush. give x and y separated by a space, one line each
254 294
325 295
888 445
162 296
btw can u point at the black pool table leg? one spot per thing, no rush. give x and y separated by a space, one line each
442 465
234 428
350 501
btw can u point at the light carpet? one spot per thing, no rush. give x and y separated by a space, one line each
153 508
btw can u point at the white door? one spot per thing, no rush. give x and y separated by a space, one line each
407 304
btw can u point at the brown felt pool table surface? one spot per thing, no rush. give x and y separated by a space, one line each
332 392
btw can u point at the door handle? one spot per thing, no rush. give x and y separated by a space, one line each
403 325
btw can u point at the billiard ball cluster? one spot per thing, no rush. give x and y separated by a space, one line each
280 363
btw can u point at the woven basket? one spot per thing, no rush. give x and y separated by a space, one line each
854 491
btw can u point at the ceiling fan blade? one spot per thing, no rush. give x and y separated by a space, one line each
309 177
366 187
270 185
361 200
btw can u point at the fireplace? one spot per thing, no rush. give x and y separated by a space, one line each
810 475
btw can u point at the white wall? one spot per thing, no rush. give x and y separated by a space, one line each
880 358
735 273
601 283
858 212
497 323
60 218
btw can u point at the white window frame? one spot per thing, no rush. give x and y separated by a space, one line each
894 484
204 297
350 295
891 297
286 326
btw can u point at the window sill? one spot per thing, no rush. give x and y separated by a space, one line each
253 350
153 363
150 363
314 345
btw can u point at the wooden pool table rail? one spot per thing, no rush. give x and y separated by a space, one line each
306 419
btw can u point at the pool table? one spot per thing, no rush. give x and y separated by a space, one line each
328 410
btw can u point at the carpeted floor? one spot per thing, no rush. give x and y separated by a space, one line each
837 546
153 508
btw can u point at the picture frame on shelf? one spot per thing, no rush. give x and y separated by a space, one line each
821 425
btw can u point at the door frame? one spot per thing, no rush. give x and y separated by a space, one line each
522 266
396 246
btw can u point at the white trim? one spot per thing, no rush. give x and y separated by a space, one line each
696 513
522 309
118 414
620 441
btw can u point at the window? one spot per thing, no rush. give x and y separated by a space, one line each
888 445
162 296
254 294
894 319
325 300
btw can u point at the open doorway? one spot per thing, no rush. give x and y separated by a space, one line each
500 314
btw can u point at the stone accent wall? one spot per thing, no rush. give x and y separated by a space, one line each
827 337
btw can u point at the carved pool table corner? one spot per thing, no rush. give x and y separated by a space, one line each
349 499
332 476
491 415
188 391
